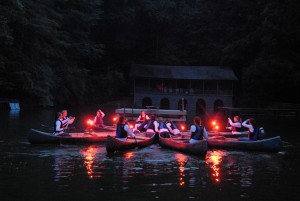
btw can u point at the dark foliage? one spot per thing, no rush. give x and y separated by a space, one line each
77 51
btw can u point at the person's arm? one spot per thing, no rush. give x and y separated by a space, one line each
156 126
102 113
249 126
138 119
95 119
58 128
147 117
169 128
192 129
129 132
205 133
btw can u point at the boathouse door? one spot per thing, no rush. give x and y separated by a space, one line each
201 108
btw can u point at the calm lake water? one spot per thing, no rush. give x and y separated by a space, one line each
85 172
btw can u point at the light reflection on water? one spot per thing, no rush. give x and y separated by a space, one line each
149 173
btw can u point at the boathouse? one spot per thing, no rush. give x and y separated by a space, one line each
198 89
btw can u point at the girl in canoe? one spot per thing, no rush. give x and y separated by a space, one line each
141 122
98 120
198 131
172 127
66 121
123 130
58 126
161 128
150 126
236 125
253 130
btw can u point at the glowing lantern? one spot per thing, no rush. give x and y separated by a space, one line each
182 127
217 127
115 119
213 123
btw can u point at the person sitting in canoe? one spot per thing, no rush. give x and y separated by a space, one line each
253 130
66 120
236 125
58 126
198 131
161 128
172 127
123 130
98 120
140 122
150 126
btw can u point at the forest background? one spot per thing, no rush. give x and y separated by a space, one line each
54 52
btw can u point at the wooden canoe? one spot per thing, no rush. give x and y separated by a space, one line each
114 144
183 145
41 137
273 144
229 134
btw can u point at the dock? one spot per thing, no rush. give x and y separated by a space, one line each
9 104
277 113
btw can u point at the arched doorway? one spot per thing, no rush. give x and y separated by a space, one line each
146 102
201 109
164 104
182 104
218 103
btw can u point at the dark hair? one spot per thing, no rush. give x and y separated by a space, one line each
121 119
58 114
238 118
197 120
152 117
252 121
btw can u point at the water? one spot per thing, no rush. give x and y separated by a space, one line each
85 172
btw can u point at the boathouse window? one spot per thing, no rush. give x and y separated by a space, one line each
183 86
180 102
210 86
146 102
142 83
156 84
164 104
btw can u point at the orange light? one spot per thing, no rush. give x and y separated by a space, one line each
90 122
182 127
131 126
115 119
217 127
213 123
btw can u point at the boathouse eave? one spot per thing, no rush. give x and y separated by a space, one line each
182 72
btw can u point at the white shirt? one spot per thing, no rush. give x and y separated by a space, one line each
249 126
156 125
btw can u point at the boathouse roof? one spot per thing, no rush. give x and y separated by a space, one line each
182 72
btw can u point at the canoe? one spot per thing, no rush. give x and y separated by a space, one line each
229 134
181 144
141 140
41 137
273 144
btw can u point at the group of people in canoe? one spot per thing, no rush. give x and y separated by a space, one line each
165 128
236 126
149 124
63 121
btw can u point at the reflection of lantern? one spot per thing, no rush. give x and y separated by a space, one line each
182 159
215 159
89 157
